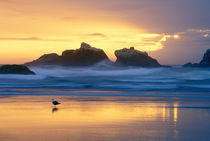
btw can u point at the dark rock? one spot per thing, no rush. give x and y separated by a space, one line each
46 59
15 69
205 62
189 64
84 56
132 57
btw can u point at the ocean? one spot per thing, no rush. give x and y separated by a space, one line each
103 80
106 103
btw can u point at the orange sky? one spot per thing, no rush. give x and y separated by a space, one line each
32 28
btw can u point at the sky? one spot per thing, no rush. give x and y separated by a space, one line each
172 31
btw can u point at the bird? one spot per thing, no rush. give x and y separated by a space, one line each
55 102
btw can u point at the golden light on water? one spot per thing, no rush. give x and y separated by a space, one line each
79 113
84 118
175 112
83 113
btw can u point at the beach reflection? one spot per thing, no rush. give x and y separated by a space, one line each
87 120
175 112
54 110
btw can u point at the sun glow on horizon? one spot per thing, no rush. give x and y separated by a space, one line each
26 33
21 49
176 36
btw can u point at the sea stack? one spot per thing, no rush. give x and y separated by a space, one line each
15 69
204 63
132 57
46 59
84 56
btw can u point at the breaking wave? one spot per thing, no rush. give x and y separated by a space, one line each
102 78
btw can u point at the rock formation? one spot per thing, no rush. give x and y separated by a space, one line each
205 62
46 59
15 69
132 57
84 56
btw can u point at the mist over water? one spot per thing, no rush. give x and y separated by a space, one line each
109 79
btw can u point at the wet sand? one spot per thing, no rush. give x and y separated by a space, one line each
104 118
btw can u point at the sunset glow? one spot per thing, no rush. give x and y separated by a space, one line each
31 29
104 70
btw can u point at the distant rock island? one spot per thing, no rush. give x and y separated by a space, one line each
84 56
15 69
87 55
205 62
132 57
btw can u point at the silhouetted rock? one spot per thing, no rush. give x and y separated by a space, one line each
132 57
189 64
84 56
15 69
46 59
205 62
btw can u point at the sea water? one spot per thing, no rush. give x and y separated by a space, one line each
120 81
105 104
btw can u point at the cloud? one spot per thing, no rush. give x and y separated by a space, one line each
97 34
206 35
199 30
33 39
26 38
159 16
190 47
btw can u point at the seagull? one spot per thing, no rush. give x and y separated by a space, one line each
55 102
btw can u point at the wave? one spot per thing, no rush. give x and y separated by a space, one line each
110 78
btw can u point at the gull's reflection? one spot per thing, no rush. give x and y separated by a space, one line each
54 110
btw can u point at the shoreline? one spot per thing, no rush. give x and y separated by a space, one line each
94 118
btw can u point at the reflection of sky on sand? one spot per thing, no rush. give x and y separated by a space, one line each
30 118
